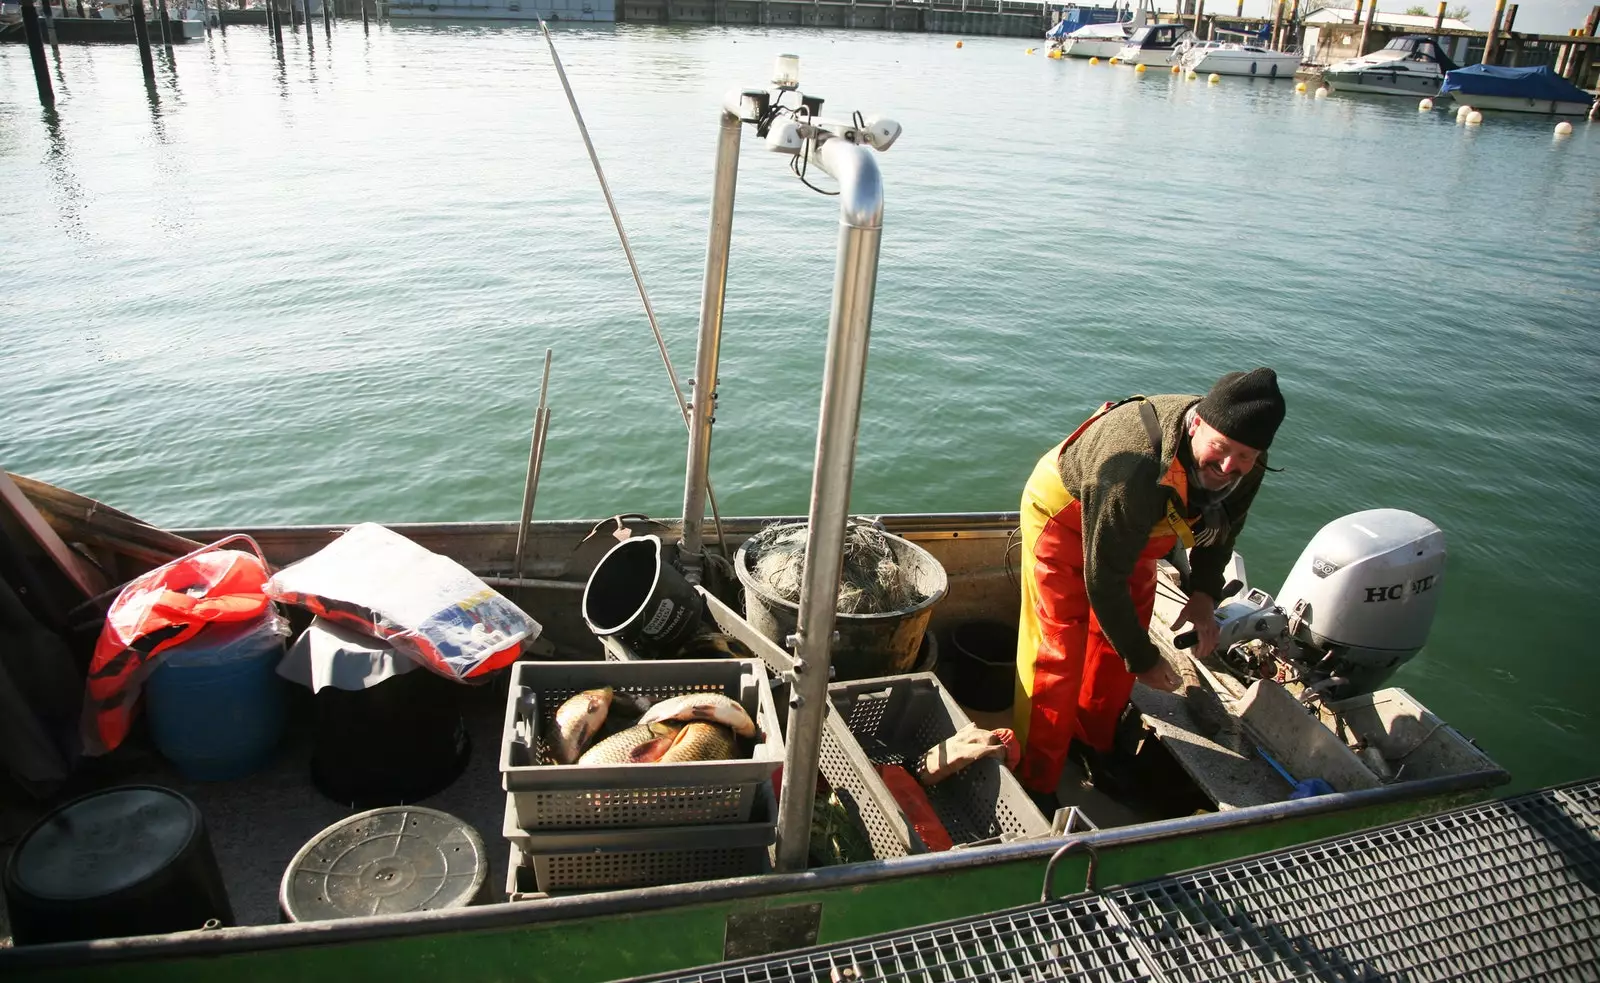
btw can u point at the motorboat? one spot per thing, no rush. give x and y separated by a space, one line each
1086 32
1154 44
1096 40
1407 66
1517 90
1244 56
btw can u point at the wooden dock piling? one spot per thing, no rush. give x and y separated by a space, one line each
310 22
41 66
327 19
1291 27
141 35
1580 61
1366 26
1491 45
166 25
277 24
1516 42
364 28
294 17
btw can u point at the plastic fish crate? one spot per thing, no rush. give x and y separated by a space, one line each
895 720
549 796
607 859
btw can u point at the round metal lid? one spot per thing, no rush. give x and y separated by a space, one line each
383 862
103 843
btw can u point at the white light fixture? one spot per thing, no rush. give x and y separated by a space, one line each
786 72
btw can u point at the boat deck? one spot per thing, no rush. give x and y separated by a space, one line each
1504 890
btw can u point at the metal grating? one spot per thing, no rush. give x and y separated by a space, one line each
1500 891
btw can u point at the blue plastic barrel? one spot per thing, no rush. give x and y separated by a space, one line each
216 702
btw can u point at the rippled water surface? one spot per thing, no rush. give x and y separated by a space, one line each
320 289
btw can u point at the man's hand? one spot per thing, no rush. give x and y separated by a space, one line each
1160 676
1200 611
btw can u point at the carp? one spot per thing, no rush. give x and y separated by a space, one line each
576 723
638 744
709 707
701 741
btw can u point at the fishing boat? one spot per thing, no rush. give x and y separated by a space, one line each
1516 90
1154 45
1244 54
1407 66
1214 799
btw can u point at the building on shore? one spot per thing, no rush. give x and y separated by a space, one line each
1333 34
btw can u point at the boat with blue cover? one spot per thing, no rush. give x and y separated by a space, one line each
1516 90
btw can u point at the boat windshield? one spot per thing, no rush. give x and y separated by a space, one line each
1155 34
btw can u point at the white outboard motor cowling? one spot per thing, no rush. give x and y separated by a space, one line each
1364 593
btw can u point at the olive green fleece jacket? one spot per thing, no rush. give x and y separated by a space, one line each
1115 473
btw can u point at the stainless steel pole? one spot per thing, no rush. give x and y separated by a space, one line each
703 387
849 325
530 485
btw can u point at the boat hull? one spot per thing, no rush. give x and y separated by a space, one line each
1383 83
1510 104
1154 57
1091 47
1260 65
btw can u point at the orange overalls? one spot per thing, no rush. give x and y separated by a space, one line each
1071 683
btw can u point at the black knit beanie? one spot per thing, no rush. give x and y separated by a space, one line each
1245 406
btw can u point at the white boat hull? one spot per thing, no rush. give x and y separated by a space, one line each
1154 57
1091 47
1266 64
1383 83
1511 104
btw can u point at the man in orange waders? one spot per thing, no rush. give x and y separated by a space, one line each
1101 508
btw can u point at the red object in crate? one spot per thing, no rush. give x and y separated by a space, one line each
908 794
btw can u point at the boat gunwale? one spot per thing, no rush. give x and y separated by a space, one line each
258 938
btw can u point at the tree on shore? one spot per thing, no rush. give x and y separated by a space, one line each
1459 12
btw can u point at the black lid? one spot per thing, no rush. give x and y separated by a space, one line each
103 843
382 862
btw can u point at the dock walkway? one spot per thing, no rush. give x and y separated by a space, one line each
1502 890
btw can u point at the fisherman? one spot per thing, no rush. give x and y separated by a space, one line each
1130 484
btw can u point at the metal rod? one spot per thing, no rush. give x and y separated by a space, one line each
530 484
703 407
627 250
41 66
844 374
141 34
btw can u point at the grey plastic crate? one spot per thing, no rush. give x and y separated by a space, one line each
602 859
547 796
894 720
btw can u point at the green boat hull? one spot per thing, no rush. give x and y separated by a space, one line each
637 933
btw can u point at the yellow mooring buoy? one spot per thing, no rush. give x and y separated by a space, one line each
1094 61
1191 76
1176 69
1299 87
1028 52
1115 59
1214 79
1139 67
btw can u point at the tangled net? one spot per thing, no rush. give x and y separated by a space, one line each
871 581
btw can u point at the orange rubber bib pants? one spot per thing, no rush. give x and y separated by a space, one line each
1071 683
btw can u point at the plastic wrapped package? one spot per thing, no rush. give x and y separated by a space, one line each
427 606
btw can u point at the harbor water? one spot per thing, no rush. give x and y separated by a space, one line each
318 289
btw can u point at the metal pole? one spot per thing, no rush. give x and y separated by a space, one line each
703 387
41 66
845 369
530 485
1491 45
141 33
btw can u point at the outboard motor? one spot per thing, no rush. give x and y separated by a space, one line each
1362 596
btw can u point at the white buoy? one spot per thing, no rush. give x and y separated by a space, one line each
1322 92
1474 118
1425 106
1563 129
1213 79
1461 113
1192 76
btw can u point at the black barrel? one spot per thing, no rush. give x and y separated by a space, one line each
981 667
638 596
132 860
397 742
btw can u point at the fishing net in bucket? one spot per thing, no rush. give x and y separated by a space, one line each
871 580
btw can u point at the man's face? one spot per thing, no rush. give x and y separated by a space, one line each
1219 459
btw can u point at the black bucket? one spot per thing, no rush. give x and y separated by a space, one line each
638 597
132 860
397 742
981 667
